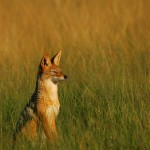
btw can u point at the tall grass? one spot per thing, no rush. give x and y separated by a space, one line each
105 103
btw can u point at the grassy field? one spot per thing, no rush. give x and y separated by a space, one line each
105 103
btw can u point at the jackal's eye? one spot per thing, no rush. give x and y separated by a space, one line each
53 72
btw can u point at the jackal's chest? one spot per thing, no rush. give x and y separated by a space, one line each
52 110
48 108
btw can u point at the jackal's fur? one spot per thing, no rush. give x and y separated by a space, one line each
43 107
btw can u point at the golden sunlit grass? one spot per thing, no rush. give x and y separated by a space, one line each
106 54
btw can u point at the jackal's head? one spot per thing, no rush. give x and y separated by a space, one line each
49 68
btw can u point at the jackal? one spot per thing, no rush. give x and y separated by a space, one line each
43 107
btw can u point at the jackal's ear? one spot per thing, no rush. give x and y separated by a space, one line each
45 61
56 59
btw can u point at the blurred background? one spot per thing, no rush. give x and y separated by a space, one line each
106 54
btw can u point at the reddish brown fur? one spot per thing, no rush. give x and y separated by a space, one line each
30 130
44 106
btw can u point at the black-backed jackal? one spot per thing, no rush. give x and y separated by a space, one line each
43 107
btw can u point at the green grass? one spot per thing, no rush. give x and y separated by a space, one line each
105 103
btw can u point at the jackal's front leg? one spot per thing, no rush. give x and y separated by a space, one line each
54 129
48 116
49 127
46 128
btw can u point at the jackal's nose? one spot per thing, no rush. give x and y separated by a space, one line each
65 76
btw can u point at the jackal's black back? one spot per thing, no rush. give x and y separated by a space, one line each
27 114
